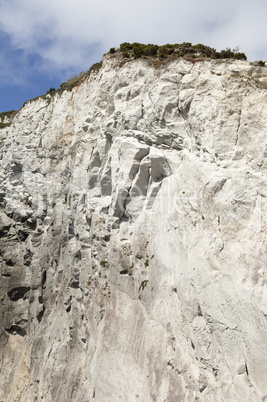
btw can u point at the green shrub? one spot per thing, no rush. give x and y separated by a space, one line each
125 54
112 50
261 63
240 56
151 50
205 50
162 51
125 46
199 46
209 51
186 44
216 55
138 49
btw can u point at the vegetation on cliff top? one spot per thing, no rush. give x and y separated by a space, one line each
168 51
160 55
136 50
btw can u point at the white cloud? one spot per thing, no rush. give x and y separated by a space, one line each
68 35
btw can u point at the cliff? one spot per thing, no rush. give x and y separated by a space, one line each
133 237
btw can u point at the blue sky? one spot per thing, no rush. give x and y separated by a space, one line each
42 44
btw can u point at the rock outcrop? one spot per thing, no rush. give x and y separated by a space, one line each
133 237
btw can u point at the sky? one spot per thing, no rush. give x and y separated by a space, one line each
44 43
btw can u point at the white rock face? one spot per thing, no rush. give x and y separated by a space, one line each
133 238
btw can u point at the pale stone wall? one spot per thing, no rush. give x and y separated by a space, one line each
133 238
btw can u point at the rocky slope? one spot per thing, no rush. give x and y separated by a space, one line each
133 237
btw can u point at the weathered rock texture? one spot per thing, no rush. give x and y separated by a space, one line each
133 237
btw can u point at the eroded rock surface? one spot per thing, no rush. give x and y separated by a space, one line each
133 238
